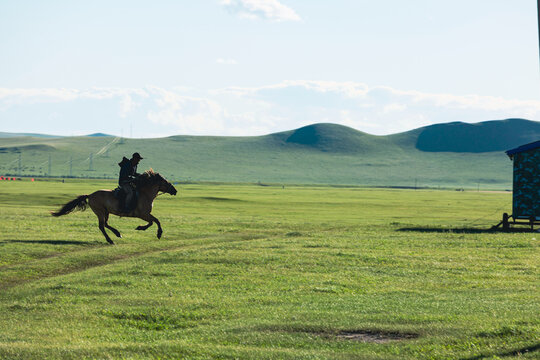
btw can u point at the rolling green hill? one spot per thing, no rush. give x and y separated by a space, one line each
446 155
481 137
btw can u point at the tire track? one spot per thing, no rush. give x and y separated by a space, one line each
36 270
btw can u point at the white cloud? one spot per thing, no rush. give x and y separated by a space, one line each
380 109
261 9
185 113
349 89
127 105
394 107
362 92
248 110
226 61
24 96
21 97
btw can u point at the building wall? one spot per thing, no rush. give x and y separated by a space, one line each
526 199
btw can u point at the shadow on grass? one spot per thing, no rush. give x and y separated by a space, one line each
516 352
463 230
50 242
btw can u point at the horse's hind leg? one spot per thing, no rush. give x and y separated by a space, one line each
102 228
102 215
115 232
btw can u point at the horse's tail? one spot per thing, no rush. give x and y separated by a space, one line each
80 203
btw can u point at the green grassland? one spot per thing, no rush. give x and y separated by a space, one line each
268 272
454 155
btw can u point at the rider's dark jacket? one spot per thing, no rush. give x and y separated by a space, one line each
128 171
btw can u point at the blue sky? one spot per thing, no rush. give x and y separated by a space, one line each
252 67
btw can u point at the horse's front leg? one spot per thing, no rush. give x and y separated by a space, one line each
144 227
151 219
144 214
159 230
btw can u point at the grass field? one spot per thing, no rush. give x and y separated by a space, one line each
263 272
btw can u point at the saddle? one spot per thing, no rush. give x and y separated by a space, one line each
120 194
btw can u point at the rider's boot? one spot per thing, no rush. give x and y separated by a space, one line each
127 203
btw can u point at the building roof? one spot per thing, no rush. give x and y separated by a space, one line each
522 148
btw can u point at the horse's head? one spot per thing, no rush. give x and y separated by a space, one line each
151 178
166 186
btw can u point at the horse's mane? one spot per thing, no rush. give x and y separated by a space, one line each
149 177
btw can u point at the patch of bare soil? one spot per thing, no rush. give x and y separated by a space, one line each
377 337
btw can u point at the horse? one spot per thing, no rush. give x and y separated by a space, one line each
104 202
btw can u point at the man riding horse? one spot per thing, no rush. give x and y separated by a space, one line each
128 174
105 202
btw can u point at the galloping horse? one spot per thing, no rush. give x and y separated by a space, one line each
103 203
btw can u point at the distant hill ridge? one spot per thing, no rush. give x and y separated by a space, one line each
99 135
11 135
486 136
454 154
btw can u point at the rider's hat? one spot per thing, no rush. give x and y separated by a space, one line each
137 156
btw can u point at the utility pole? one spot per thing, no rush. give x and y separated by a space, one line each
49 173
91 167
20 164
71 166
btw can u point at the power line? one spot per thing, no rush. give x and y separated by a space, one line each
106 148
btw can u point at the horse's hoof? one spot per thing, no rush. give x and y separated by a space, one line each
140 227
159 234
